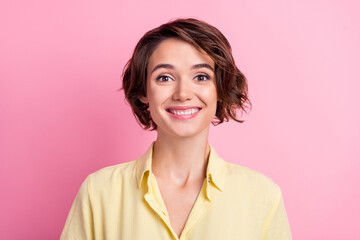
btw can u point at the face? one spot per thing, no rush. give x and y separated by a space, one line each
181 89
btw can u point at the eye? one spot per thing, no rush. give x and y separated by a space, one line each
164 78
202 77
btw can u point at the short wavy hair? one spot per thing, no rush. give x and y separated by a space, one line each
231 84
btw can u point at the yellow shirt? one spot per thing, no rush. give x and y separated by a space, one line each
123 202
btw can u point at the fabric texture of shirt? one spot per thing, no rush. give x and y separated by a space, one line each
124 202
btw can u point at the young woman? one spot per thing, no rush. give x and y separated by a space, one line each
180 79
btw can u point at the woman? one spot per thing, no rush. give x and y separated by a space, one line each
181 76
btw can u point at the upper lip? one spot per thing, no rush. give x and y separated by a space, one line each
174 108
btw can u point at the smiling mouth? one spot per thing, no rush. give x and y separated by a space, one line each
183 112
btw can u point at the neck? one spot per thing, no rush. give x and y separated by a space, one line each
181 159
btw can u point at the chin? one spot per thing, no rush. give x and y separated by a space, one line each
187 132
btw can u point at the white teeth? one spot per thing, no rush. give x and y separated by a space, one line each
185 112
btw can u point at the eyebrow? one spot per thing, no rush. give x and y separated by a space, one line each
196 66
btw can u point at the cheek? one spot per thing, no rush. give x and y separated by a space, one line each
210 95
156 97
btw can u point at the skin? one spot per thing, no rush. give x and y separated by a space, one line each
181 150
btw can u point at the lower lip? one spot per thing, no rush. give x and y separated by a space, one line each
185 116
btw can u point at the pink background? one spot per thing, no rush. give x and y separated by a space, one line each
62 118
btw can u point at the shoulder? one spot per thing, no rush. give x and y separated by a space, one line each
108 177
241 177
114 170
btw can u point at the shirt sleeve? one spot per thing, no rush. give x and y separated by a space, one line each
277 226
79 223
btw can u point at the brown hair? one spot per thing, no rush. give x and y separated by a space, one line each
231 84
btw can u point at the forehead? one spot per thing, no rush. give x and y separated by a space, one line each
178 53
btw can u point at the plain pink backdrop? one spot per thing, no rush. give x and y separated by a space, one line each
63 118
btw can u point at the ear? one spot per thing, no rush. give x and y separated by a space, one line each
144 99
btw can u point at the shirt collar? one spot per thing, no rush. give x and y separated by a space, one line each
216 169
143 164
215 172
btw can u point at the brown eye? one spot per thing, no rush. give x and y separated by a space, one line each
202 77
163 78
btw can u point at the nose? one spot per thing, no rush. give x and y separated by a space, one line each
183 90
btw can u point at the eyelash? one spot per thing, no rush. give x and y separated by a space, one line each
197 76
161 77
203 75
